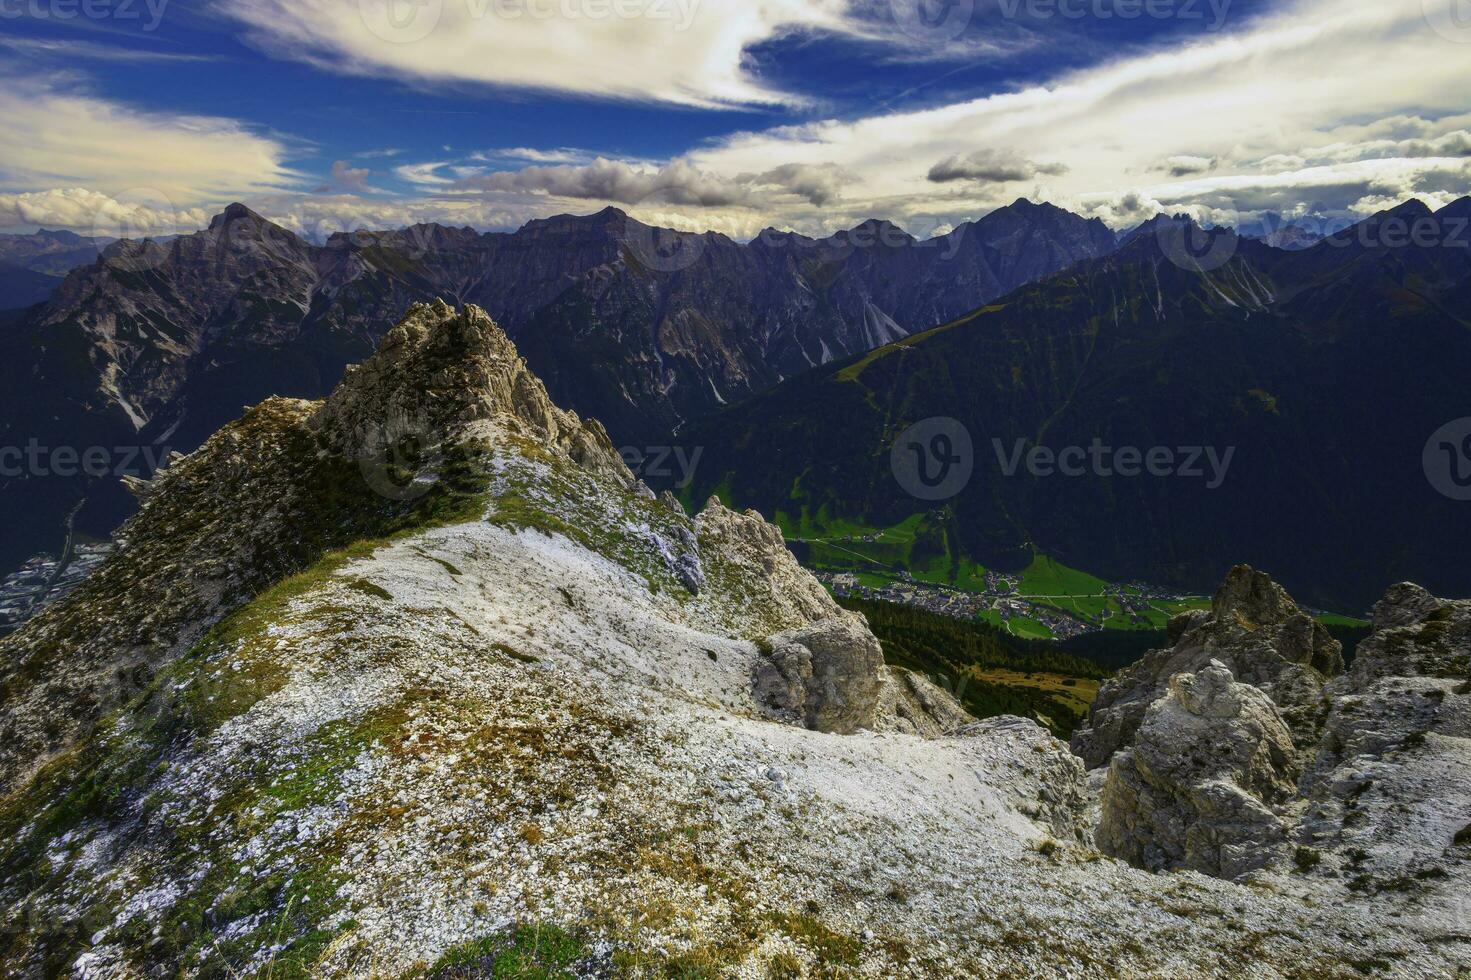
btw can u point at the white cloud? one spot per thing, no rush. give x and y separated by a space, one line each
528 154
991 166
618 182
424 174
351 179
72 50
94 213
689 52
1227 125
56 137
1255 101
1185 165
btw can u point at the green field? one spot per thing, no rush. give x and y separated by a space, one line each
921 547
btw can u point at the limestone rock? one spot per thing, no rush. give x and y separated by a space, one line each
827 676
913 704
1254 629
1389 787
1047 782
1198 787
747 559
441 369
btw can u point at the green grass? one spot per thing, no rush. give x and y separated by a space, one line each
529 952
1348 622
1046 577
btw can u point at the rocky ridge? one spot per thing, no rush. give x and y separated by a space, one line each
495 690
1248 752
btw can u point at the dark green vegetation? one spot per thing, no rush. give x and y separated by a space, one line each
532 952
1326 371
989 671
928 643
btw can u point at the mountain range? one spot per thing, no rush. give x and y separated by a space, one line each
159 343
1303 386
32 266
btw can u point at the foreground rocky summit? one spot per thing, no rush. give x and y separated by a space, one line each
1247 751
419 680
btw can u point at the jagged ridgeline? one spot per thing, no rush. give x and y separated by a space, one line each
327 595
419 681
1322 373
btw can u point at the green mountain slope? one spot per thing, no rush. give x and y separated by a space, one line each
1314 377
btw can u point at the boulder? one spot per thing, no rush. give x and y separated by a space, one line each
827 676
1198 788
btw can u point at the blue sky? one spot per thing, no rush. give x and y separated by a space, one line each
809 114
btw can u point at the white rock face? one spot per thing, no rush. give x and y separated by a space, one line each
827 676
1254 629
1198 787
1364 801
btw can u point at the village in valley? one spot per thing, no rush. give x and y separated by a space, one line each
1139 606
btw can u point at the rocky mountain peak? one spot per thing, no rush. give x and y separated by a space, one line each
1349 775
437 373
1253 598
234 213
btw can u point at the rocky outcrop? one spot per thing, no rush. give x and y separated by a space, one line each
1389 787
1047 784
747 559
913 704
1197 787
827 676
1359 781
1257 632
437 372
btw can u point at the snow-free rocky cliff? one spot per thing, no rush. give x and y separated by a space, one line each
420 681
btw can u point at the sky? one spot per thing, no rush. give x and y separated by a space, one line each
139 117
